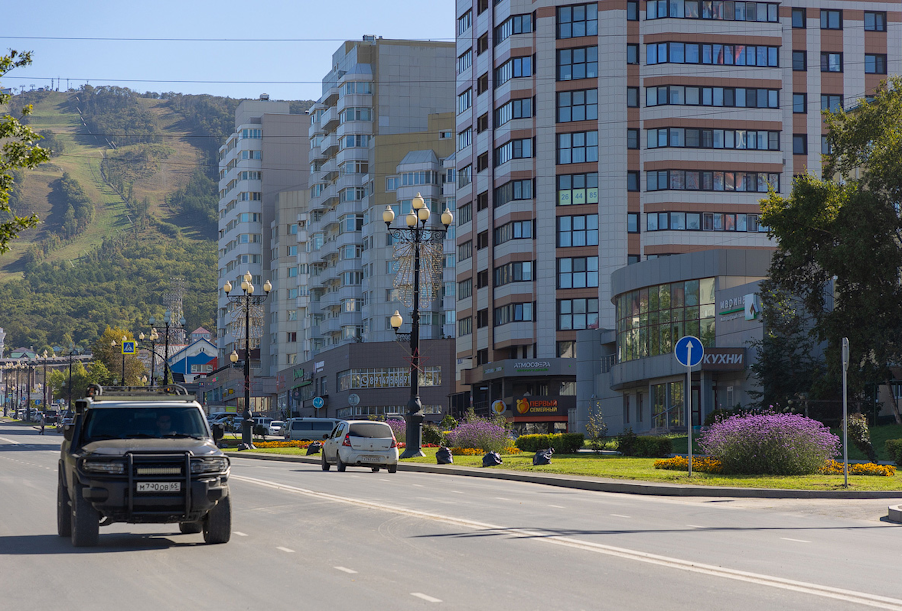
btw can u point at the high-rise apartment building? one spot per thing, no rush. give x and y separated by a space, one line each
381 133
266 155
594 135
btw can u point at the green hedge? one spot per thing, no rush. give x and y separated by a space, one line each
563 443
645 446
894 449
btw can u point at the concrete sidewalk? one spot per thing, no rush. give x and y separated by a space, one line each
600 484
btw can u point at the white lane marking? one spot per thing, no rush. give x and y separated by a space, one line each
814 589
695 526
619 515
457 492
425 597
796 540
417 485
240 534
346 570
286 550
15 443
501 498
558 506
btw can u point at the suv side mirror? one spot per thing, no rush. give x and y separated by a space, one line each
218 432
68 431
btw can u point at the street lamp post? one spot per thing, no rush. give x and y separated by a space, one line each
6 370
29 371
46 403
416 236
72 351
153 337
124 339
167 323
246 301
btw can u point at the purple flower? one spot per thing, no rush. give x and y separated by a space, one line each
769 443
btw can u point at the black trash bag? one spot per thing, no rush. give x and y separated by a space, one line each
543 457
443 456
491 459
314 448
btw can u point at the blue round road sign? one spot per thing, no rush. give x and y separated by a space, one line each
689 351
318 402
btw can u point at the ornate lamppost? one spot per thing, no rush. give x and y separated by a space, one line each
153 337
44 394
72 351
412 243
167 324
29 373
6 369
245 302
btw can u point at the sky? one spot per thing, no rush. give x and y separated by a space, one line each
237 49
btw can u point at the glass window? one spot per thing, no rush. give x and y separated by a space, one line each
798 17
800 103
875 21
831 19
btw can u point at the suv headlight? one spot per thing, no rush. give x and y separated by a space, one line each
110 467
209 465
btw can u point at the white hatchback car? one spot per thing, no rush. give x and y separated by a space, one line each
361 443
276 427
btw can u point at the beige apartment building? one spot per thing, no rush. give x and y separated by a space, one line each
596 135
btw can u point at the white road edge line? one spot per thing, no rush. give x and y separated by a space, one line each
285 549
861 598
346 570
425 597
796 540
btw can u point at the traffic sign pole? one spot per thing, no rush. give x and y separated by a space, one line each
689 401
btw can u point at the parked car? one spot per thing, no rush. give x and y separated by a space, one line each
275 427
361 443
310 429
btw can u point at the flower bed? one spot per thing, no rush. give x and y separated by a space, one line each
479 452
681 463
835 468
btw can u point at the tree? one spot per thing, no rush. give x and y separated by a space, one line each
845 234
597 429
18 151
786 366
107 351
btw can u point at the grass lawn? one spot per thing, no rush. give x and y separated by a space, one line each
618 467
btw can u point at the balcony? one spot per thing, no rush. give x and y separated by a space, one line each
329 120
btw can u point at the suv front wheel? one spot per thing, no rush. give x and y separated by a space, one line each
218 523
85 520
63 511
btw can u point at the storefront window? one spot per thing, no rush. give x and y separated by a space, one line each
668 405
652 319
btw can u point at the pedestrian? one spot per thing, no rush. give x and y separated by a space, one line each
43 422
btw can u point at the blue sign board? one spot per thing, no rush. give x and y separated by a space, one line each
318 402
689 351
128 348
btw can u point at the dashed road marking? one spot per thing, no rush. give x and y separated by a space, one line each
796 540
619 515
286 550
346 570
240 534
426 597
558 506
695 526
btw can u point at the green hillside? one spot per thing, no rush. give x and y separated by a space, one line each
128 200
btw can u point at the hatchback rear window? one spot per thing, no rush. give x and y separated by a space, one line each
374 430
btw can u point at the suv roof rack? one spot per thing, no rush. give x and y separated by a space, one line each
96 391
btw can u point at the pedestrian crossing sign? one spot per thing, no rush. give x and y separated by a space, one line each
128 348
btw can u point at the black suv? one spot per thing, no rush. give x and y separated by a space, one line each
142 455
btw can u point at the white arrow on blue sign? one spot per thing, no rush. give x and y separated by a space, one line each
318 402
689 351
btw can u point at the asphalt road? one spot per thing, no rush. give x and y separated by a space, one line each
304 539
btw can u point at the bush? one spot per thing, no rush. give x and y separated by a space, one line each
894 449
563 443
861 436
715 415
648 446
432 435
770 444
399 428
479 433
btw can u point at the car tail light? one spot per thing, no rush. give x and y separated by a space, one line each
394 442
347 441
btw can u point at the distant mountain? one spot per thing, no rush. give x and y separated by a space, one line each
128 199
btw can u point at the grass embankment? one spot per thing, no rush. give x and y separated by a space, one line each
618 467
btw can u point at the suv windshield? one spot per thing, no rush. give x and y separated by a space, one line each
142 422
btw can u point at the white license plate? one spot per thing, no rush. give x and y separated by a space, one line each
159 486
370 459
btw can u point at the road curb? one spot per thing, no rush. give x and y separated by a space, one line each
608 485
894 513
